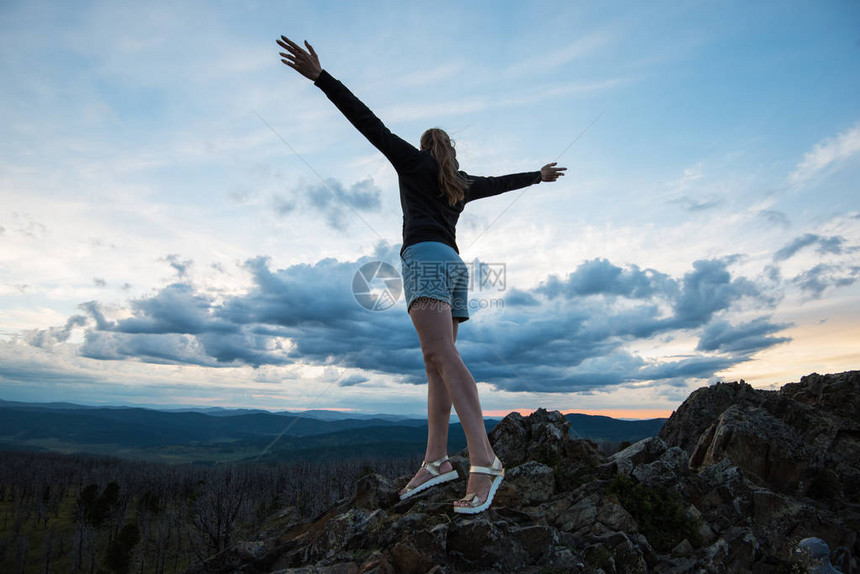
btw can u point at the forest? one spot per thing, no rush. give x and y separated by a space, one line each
98 514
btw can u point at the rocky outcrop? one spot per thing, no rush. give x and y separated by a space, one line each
801 440
736 478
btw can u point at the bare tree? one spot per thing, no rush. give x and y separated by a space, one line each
214 509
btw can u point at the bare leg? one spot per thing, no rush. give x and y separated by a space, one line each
438 419
432 319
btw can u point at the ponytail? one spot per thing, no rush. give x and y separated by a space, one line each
451 185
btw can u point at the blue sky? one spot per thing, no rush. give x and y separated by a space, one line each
162 244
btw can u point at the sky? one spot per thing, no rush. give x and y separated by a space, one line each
182 217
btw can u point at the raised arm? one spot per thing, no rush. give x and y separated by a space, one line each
306 62
489 186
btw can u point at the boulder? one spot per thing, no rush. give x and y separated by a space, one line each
374 491
543 437
803 439
701 409
527 484
643 452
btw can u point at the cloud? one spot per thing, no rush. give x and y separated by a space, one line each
515 297
564 335
600 277
181 267
332 199
352 380
45 338
710 288
774 217
695 204
833 244
829 152
745 338
816 280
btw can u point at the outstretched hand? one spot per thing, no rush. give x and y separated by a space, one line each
551 173
307 63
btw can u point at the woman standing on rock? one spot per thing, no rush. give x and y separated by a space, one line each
432 194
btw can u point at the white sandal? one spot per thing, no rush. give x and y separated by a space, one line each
475 505
434 469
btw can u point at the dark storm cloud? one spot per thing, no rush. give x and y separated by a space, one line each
701 367
332 199
175 309
564 335
600 277
708 289
834 244
515 297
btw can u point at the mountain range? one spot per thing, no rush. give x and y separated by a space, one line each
212 434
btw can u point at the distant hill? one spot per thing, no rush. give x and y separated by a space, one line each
613 430
215 434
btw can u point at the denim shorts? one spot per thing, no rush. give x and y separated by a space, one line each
433 269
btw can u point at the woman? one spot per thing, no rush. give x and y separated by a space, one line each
432 194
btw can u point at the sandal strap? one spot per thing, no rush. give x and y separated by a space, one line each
471 499
434 468
494 470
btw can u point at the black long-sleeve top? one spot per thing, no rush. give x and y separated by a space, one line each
427 215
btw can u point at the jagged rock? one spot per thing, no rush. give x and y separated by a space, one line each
743 473
589 511
768 450
643 452
480 543
537 541
802 440
665 471
705 531
616 553
701 409
352 529
233 558
838 394
683 547
374 491
345 568
410 560
543 436
527 484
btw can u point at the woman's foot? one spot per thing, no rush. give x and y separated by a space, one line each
483 481
441 470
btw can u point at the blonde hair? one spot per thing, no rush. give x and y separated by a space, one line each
441 147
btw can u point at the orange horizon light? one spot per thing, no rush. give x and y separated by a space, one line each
635 414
